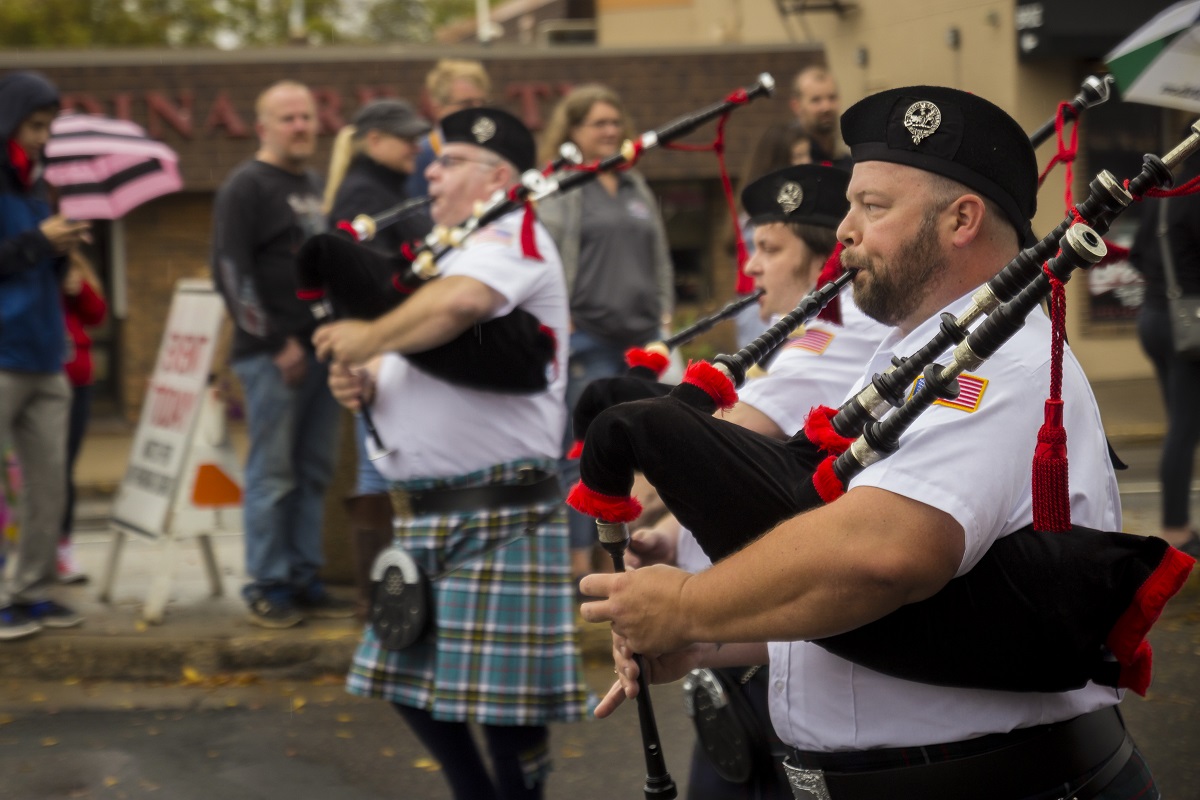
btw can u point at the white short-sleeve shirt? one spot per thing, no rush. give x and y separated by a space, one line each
816 368
439 429
972 459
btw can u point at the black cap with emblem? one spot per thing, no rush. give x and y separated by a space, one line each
811 194
954 134
492 129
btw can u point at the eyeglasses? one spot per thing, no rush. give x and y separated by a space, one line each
603 123
450 161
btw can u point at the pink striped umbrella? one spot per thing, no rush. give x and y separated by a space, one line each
103 167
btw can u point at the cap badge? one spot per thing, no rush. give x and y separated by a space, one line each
922 119
483 129
790 197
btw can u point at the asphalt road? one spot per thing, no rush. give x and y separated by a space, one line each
236 738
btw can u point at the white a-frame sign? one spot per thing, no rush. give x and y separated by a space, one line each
183 477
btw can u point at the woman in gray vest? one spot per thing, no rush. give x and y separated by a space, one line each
614 251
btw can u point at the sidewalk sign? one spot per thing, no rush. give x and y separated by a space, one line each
183 478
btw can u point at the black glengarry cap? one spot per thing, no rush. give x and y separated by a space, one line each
492 129
954 134
807 193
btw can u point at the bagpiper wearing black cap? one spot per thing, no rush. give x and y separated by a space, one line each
475 489
795 212
940 196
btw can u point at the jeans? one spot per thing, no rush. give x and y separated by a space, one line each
1179 381
591 359
81 411
369 480
33 416
293 433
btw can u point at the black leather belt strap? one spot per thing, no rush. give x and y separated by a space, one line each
1055 754
539 488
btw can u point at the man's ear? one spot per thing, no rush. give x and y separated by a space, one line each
967 216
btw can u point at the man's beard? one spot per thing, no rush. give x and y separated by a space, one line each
891 295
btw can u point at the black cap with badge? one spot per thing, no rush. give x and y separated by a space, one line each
807 193
492 129
394 117
954 134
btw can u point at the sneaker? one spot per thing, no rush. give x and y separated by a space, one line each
51 614
325 606
16 624
266 613
68 569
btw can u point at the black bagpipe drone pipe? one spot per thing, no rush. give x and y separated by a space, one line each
1059 603
537 185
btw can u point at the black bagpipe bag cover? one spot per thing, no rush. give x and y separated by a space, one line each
508 354
1040 611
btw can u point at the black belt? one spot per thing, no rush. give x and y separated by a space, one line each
1019 764
535 488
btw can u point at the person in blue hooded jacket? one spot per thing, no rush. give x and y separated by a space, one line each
34 394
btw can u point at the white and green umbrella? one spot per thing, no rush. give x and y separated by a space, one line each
1160 63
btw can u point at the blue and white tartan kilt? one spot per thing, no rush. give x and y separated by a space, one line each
504 649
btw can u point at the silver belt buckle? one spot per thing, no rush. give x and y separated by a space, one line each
806 784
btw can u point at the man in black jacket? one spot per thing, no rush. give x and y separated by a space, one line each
265 210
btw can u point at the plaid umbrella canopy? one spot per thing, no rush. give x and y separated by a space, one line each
1159 64
103 167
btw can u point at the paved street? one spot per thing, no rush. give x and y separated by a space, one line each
239 731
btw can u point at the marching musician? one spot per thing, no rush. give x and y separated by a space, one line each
943 188
794 213
474 487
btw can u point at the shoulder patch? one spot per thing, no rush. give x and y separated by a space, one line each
970 393
492 234
813 340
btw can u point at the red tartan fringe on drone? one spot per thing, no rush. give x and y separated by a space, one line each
655 362
828 485
818 428
603 506
713 382
1127 639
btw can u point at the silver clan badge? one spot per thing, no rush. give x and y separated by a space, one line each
922 119
790 197
483 129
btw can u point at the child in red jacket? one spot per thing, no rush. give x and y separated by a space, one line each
83 306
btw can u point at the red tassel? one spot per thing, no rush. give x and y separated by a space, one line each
647 359
832 312
1129 633
716 384
828 485
1051 493
576 449
818 428
603 506
1136 676
528 235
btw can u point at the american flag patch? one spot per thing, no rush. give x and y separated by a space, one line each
970 393
493 234
814 341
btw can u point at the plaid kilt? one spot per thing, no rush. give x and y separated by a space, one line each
503 648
